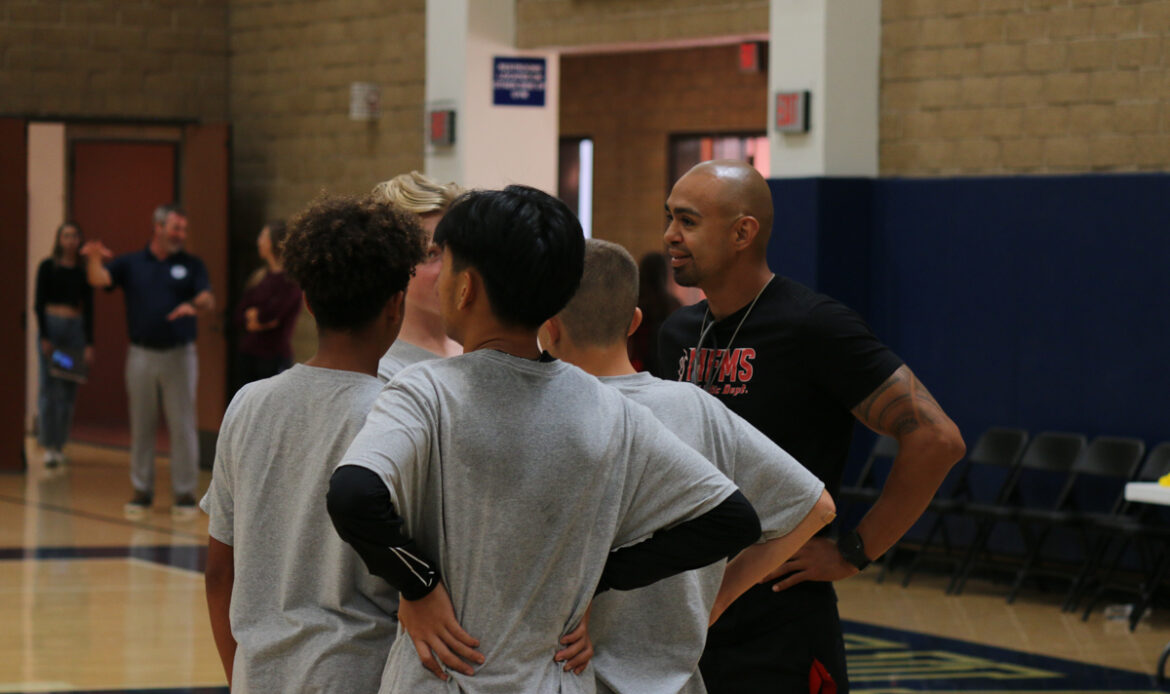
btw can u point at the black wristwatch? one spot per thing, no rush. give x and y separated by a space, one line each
853 549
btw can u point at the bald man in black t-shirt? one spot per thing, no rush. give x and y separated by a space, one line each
800 367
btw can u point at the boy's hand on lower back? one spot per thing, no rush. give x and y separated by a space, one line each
578 648
430 621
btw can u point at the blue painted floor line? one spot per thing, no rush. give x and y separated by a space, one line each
888 661
882 660
180 690
190 557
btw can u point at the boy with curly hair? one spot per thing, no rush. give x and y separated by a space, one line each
292 608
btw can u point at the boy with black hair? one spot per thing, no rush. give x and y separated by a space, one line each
292 608
515 473
627 629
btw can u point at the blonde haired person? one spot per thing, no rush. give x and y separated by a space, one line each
422 336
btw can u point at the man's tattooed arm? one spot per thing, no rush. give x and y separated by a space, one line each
900 406
929 444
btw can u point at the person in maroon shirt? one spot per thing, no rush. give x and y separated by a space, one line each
268 311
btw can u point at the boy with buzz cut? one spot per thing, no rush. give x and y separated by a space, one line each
633 654
516 474
292 608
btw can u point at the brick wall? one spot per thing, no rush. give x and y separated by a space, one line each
292 66
108 58
661 93
291 69
1024 86
582 22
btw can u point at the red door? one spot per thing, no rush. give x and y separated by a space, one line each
13 275
114 189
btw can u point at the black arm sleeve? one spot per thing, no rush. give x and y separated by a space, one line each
363 514
719 533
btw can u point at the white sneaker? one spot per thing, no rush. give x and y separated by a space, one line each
184 507
137 506
52 458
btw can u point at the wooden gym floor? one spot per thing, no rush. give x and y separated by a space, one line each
92 602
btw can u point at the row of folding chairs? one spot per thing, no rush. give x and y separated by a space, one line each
1053 484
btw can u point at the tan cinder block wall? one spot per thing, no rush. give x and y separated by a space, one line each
1024 86
292 65
104 58
291 69
584 22
630 104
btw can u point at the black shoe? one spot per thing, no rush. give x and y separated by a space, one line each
184 508
139 505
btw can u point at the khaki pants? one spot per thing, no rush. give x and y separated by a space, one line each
169 377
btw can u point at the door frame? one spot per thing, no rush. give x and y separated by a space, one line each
13 286
210 164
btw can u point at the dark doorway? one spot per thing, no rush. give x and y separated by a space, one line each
575 178
688 150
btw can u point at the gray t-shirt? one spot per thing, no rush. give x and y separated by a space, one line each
517 478
648 641
305 611
401 355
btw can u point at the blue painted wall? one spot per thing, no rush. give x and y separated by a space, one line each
1035 302
1039 302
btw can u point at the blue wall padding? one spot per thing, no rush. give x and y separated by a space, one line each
1035 302
795 246
1038 302
833 252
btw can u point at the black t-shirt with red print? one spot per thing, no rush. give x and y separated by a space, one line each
797 366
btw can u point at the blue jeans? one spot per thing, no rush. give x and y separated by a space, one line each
55 405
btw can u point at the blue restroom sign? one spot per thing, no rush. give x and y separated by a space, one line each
518 81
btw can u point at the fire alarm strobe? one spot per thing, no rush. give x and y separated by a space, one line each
441 127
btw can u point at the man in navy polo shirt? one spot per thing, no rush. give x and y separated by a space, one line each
165 287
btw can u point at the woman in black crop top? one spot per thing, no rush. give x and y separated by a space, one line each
64 308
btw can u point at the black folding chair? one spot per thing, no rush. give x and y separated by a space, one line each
994 456
868 485
1118 461
1095 488
1145 526
1043 479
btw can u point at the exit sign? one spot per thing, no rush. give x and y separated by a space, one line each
792 112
